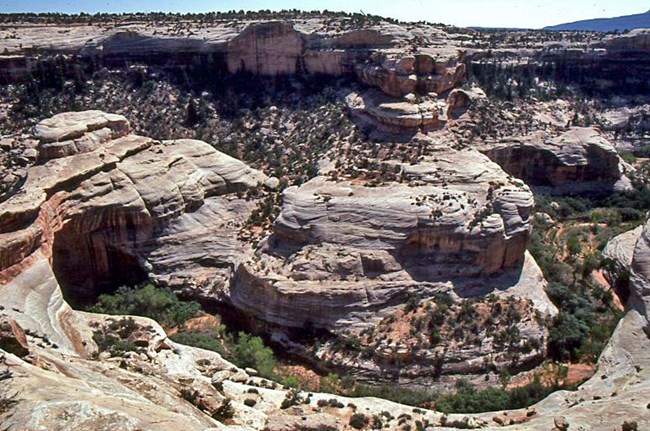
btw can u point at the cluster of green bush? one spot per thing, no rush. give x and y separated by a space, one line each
158 303
466 398
161 304
576 333
113 338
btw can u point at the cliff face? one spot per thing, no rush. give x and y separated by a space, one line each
102 196
578 160
640 276
266 49
260 48
420 73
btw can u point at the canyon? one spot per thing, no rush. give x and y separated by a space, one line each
92 204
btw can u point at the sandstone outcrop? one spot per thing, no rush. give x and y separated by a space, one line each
635 40
452 219
343 254
96 209
621 248
415 74
268 48
377 112
578 160
77 132
640 276
104 206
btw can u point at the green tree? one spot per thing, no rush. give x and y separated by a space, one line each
250 351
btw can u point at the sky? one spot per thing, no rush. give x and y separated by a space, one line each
464 13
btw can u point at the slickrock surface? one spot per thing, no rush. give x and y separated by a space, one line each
131 199
375 110
104 206
640 276
459 216
578 160
621 248
344 254
77 132
101 208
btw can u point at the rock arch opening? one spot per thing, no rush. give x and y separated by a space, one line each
88 264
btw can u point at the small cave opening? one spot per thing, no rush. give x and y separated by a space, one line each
86 265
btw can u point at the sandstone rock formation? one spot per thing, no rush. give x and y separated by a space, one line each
107 207
378 112
104 207
344 254
266 49
419 73
640 276
298 46
621 248
96 212
635 40
453 220
77 132
578 160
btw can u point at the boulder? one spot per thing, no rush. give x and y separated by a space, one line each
12 337
72 133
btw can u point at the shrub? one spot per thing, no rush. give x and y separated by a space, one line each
113 338
291 381
249 402
292 398
570 328
468 399
412 397
330 383
628 157
377 423
202 340
358 421
333 402
189 395
224 412
160 304
7 400
249 351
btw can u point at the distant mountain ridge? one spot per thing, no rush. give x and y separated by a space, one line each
621 23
